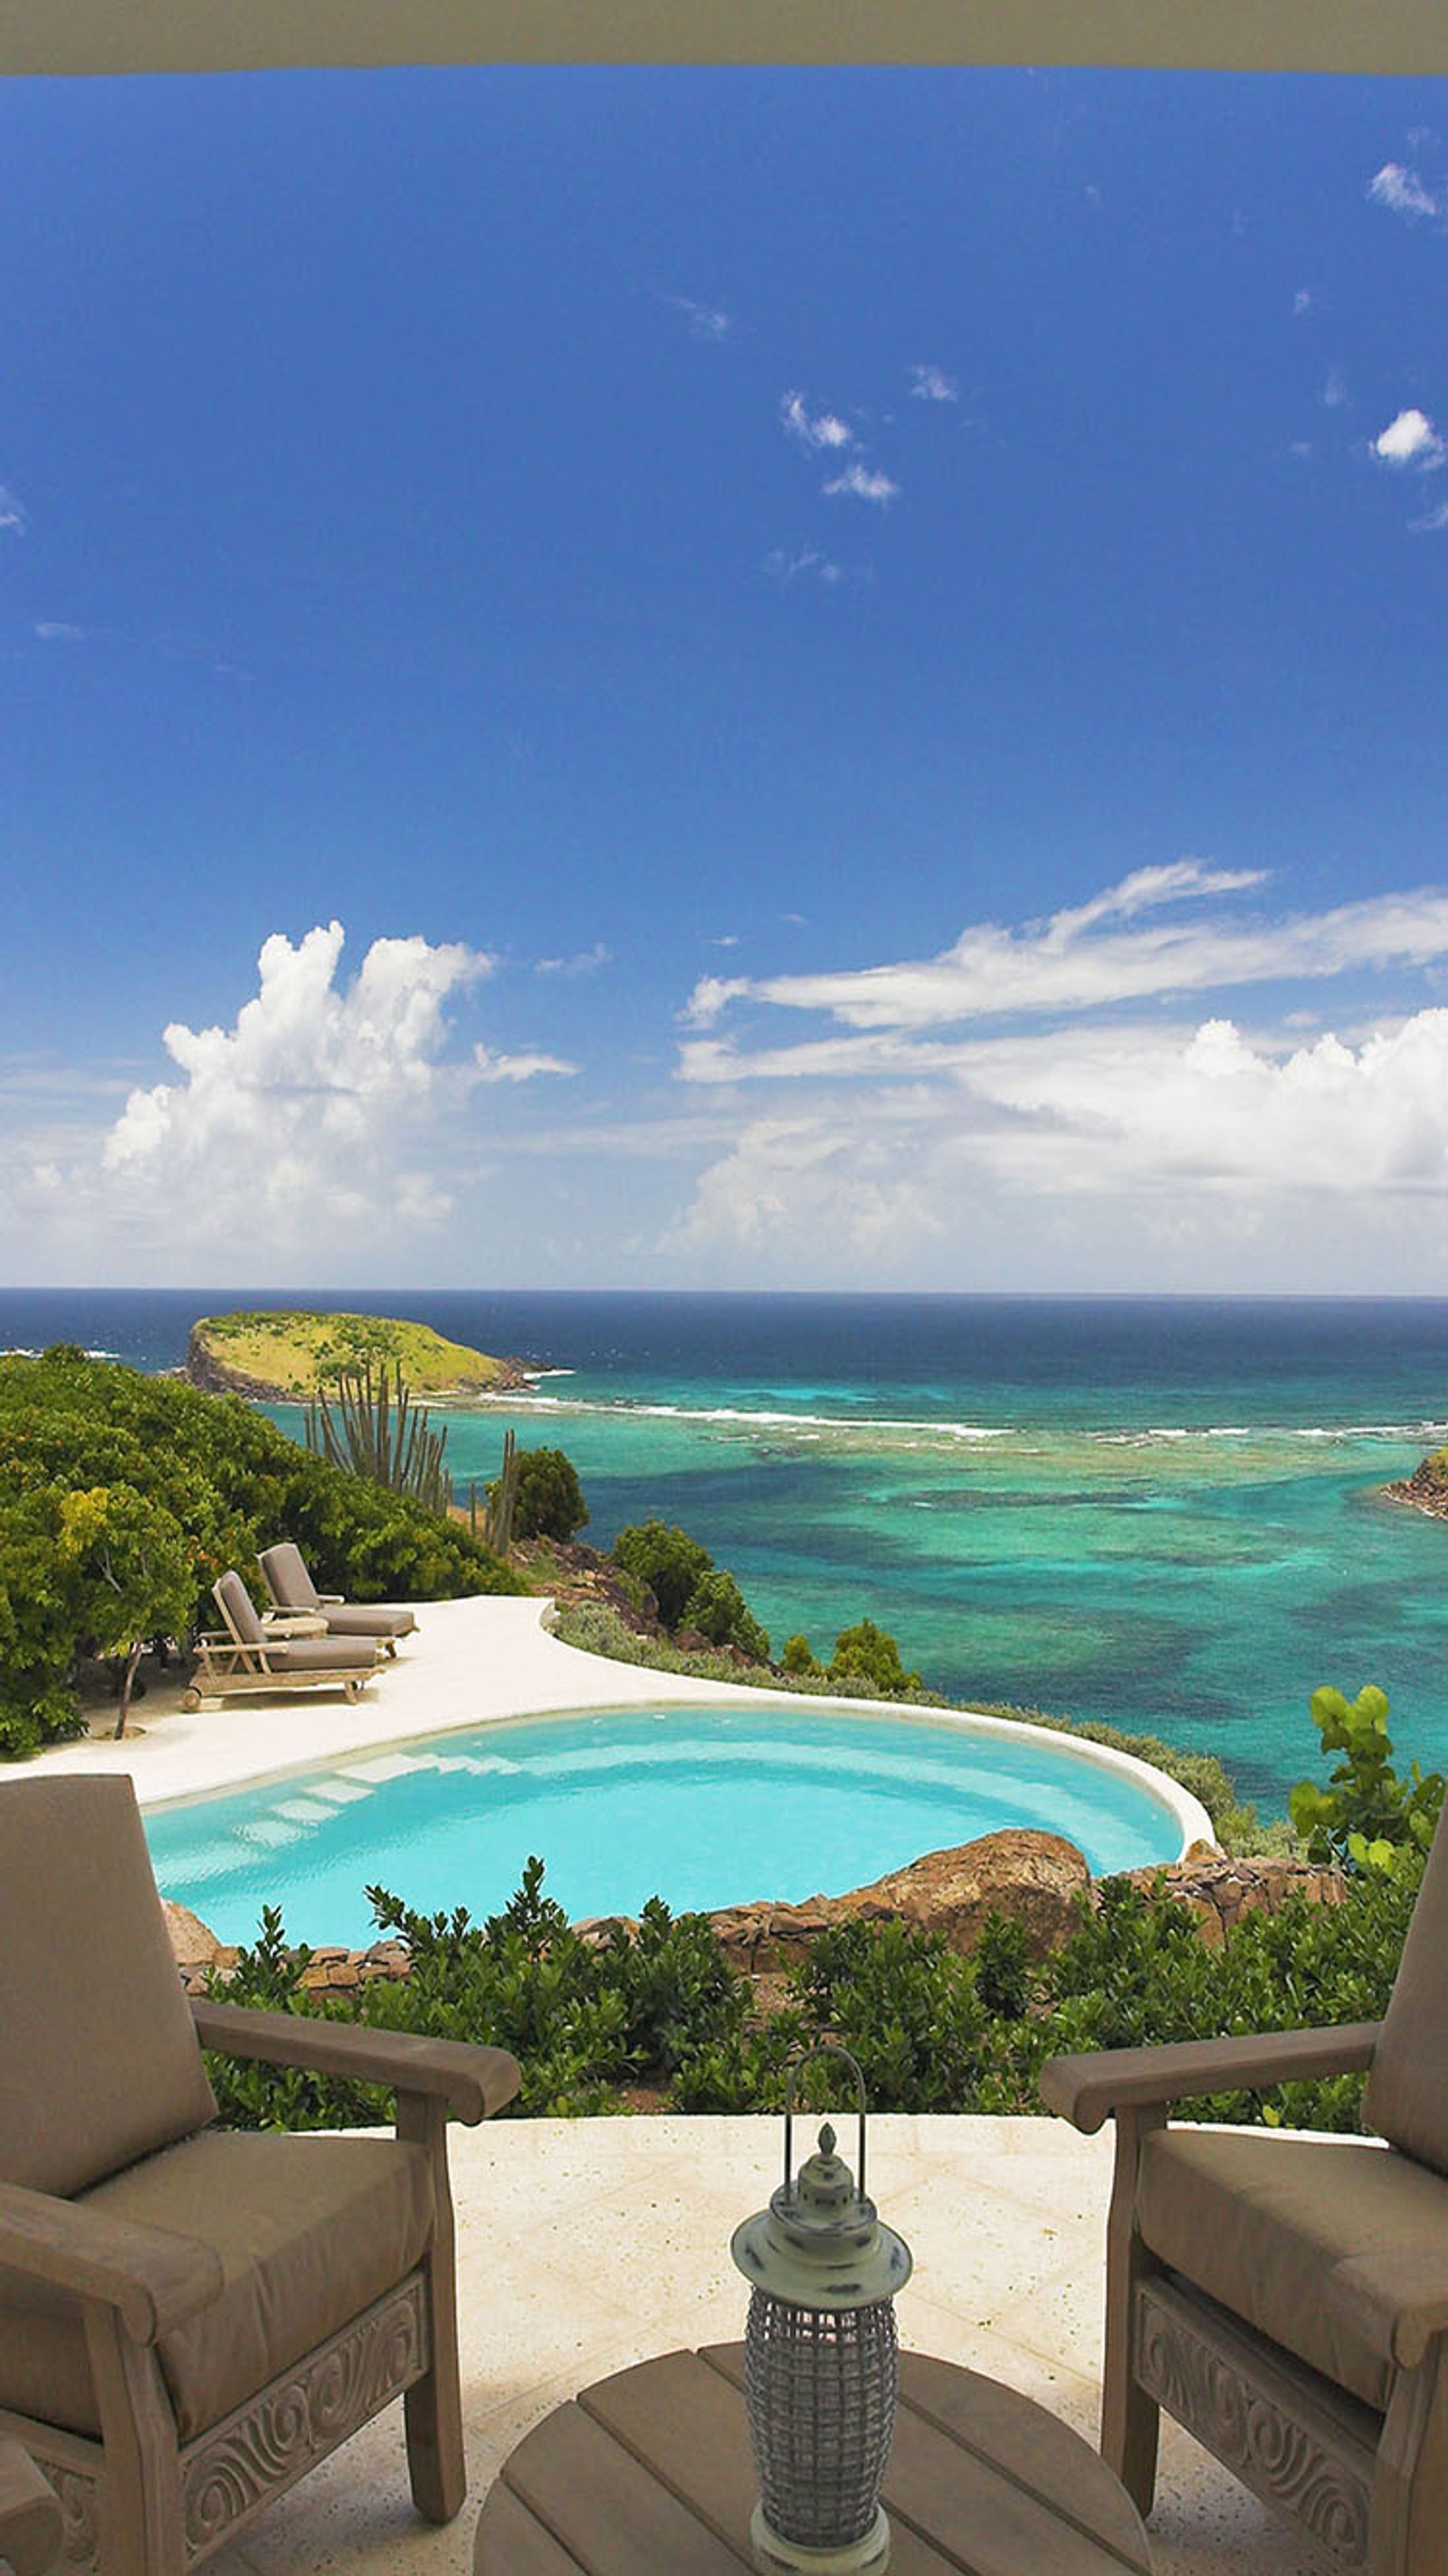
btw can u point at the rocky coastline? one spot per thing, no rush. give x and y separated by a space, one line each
1426 1490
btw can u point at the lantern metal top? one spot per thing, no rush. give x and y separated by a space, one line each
820 2244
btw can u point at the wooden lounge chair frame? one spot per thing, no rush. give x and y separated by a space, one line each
31 2526
229 1665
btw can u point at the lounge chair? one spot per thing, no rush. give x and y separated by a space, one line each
191 2318
31 2528
292 1589
245 1660
1286 2297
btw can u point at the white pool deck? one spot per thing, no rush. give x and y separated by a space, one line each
470 1662
590 2244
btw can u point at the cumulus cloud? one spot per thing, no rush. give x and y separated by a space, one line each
1411 439
324 1110
1334 392
585 961
1403 192
814 430
1099 1137
12 513
863 483
932 384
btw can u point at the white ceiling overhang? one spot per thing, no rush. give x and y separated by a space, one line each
81 36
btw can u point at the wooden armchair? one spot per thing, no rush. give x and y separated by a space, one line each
190 2318
1286 2296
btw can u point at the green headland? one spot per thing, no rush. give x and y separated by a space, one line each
280 1357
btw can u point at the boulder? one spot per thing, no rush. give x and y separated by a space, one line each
1219 1891
193 1943
1029 1877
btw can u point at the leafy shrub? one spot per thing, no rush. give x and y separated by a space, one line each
549 1502
718 1609
870 1655
122 1497
1367 1818
667 1560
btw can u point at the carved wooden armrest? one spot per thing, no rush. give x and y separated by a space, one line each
151 2277
1087 2090
1397 2300
31 2525
473 2082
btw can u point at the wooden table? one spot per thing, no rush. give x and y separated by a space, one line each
649 2474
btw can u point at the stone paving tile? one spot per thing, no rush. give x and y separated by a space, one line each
585 2246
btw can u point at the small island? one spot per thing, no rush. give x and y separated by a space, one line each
281 1357
1426 1490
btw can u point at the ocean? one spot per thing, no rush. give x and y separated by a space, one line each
1164 1512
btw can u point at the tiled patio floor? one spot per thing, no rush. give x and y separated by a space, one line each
586 2245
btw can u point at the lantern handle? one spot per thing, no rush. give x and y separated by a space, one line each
810 2057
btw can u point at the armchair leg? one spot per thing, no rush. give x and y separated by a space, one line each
142 2529
433 2406
1410 2485
1130 2419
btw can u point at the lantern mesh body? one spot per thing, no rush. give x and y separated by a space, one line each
820 2387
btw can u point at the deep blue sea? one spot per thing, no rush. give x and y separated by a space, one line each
1166 1512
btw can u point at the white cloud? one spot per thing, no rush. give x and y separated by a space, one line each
1411 439
1302 300
55 631
1402 192
1334 392
587 961
863 484
12 512
324 1113
932 384
814 430
704 320
488 1067
808 564
1432 520
1115 948
1116 1150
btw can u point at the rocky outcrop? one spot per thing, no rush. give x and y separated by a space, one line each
1426 1490
1219 1891
1030 1878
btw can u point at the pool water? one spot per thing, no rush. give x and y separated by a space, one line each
704 1807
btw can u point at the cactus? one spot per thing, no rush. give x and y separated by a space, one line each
375 1432
502 1500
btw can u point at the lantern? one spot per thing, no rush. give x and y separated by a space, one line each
821 2360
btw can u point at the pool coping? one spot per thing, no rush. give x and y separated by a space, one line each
475 1662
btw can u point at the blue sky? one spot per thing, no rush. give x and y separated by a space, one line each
745 678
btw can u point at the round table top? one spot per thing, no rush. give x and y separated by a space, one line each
650 2471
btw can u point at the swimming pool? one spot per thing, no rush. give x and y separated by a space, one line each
702 1806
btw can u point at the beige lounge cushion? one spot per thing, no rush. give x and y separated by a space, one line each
1258 2221
290 1583
366 1619
322 1655
98 2056
309 2229
1407 2093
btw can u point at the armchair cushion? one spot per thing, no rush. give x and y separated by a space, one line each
115 2071
1261 2223
309 2230
291 1587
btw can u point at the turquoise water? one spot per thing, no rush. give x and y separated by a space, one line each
703 1807
1164 1512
